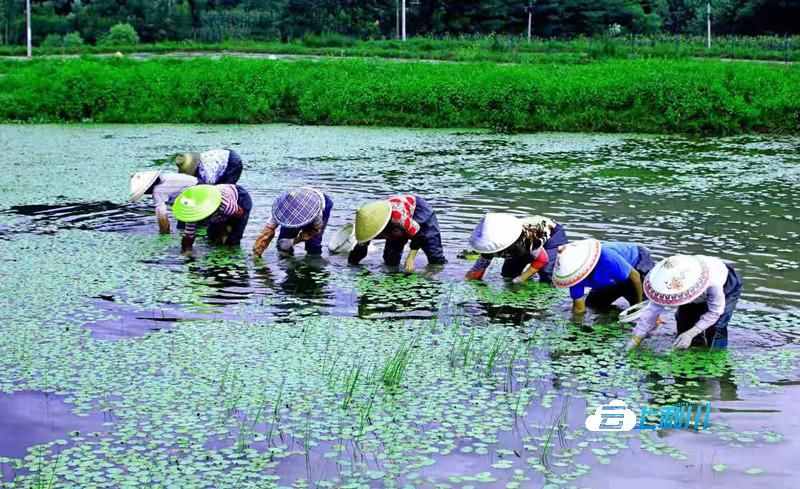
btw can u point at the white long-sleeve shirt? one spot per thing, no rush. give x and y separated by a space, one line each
170 185
714 296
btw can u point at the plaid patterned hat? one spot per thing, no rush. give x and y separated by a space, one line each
299 207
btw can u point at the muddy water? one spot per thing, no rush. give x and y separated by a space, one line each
85 273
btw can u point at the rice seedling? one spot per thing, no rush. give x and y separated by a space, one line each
394 370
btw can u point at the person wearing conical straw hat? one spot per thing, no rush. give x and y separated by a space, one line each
400 219
528 246
302 215
214 167
610 270
703 288
224 209
164 187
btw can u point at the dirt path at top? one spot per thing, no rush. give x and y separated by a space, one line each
320 57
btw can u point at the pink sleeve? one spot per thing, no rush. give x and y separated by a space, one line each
540 260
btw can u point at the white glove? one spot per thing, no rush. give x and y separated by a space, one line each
684 340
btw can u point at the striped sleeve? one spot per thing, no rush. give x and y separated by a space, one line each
230 200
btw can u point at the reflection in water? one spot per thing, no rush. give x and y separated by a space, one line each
91 216
32 417
305 283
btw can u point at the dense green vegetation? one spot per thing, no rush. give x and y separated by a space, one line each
659 96
464 48
221 20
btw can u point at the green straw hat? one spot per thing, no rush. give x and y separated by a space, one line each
371 219
141 183
197 203
187 163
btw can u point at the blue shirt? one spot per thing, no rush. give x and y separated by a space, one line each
628 251
611 269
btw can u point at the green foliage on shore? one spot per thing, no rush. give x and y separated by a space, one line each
652 96
504 49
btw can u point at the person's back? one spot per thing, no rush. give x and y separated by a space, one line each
628 251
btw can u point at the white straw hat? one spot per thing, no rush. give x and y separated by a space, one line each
141 182
575 262
676 280
495 232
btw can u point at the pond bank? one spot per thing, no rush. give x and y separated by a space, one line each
651 96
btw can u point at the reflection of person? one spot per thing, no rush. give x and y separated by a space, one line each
214 167
610 270
531 242
302 215
164 187
225 209
399 219
705 289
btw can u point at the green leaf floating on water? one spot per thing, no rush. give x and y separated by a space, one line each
754 471
719 467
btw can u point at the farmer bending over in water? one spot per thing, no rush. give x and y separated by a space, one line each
612 270
164 187
398 220
225 209
531 242
705 289
302 215
214 167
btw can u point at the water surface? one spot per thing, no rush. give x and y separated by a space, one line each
221 370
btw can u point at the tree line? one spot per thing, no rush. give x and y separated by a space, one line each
219 20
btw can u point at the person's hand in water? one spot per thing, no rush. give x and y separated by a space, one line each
186 245
263 241
684 340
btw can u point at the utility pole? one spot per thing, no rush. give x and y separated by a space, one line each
530 20
28 15
403 8
397 17
708 22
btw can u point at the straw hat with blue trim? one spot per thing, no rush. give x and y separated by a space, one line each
141 183
371 219
299 207
197 203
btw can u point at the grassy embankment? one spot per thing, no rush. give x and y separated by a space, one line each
653 96
479 48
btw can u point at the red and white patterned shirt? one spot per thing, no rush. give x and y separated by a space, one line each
403 207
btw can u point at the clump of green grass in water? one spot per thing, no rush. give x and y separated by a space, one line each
394 370
496 349
351 382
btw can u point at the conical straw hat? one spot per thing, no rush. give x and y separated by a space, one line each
676 280
197 203
495 232
141 182
371 219
575 262
299 207
187 163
